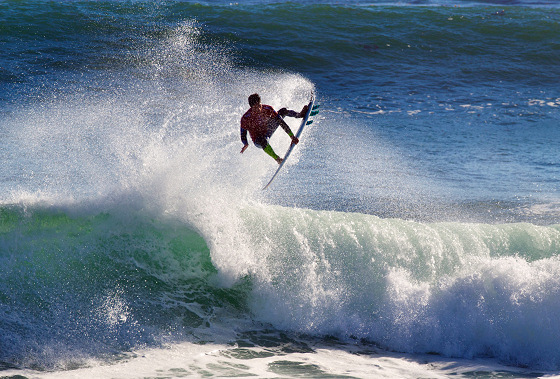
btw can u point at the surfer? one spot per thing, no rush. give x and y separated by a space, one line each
261 121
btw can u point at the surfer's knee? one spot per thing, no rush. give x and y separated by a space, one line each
260 142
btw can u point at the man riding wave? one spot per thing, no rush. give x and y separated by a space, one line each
261 121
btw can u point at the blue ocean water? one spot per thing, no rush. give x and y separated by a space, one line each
414 231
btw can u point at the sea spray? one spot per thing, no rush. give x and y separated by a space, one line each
112 197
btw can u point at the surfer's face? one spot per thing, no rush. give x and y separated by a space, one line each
256 107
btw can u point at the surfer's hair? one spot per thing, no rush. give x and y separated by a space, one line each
254 99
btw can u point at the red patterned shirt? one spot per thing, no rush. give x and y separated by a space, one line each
256 123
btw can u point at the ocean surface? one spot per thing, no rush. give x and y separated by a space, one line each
414 231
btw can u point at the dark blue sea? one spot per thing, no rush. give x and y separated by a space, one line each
413 232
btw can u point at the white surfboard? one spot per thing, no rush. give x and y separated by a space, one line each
311 111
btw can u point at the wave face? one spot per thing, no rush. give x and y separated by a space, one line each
129 220
455 289
76 287
80 286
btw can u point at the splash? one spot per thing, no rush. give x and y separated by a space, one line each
166 130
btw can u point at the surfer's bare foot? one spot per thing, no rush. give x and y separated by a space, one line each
279 160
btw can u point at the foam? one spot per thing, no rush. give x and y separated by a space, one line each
462 290
354 360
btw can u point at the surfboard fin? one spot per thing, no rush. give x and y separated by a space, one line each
314 112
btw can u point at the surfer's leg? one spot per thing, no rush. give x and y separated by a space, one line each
284 112
273 125
285 126
262 143
269 151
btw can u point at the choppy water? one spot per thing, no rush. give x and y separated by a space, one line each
414 232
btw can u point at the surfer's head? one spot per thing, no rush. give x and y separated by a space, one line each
254 99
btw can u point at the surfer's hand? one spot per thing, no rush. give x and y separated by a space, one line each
283 112
295 140
244 148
